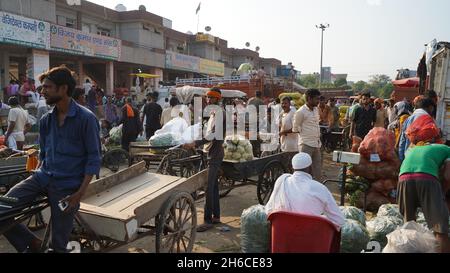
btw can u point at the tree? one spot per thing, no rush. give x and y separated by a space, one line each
340 82
381 85
309 81
386 91
359 86
379 81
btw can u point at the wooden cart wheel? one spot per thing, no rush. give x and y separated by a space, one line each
113 159
225 186
166 167
267 180
176 225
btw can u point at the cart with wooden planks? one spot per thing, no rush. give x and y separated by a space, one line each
262 172
142 151
121 208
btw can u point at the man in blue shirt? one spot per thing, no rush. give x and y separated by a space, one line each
69 158
423 107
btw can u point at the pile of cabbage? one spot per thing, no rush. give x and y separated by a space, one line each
237 148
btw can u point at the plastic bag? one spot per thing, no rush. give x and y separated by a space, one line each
354 237
411 238
390 210
192 134
165 140
255 230
423 129
379 141
171 134
353 213
115 135
380 227
176 126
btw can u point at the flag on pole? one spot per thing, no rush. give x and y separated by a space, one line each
198 9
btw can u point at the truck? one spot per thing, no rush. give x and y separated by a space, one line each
440 83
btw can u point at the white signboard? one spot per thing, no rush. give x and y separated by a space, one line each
15 29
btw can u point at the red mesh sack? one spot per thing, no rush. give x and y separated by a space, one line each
423 129
356 143
379 141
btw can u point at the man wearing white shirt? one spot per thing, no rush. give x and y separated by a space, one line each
87 87
306 123
299 193
288 139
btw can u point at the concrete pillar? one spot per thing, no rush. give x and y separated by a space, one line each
4 69
160 72
38 62
4 72
109 78
80 72
131 83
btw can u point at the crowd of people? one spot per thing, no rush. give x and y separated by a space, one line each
70 149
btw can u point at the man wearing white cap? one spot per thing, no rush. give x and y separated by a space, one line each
299 193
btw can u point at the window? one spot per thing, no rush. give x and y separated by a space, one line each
103 31
72 23
86 28
61 20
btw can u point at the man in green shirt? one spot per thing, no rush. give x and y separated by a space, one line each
420 186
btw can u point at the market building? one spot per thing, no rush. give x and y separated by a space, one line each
106 45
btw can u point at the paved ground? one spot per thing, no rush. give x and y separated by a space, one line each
214 241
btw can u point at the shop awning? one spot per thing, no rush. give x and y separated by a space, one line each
407 83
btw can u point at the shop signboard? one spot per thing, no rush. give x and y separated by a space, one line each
204 38
19 30
182 62
212 68
76 42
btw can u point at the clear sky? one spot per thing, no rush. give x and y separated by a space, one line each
366 37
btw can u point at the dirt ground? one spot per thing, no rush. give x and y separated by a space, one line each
220 239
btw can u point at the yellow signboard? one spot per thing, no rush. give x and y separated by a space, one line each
205 38
212 68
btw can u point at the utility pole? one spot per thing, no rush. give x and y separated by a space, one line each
322 27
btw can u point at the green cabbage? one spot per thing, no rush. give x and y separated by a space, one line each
353 213
380 227
354 237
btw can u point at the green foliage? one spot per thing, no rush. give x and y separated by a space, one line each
309 81
379 85
340 82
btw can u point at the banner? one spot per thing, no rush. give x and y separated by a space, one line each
182 62
73 41
212 68
18 30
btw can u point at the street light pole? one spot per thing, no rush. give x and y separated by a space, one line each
322 27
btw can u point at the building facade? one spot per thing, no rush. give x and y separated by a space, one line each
106 45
